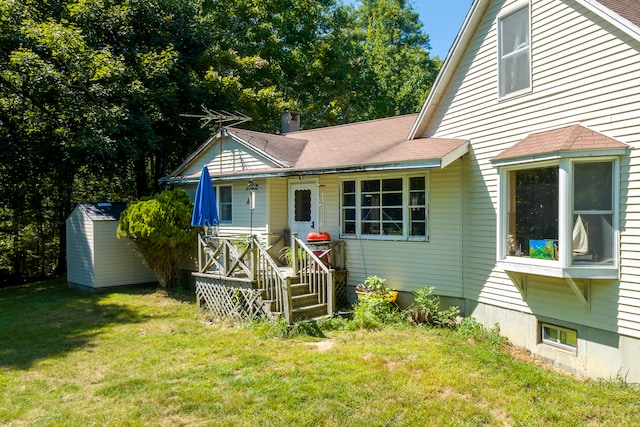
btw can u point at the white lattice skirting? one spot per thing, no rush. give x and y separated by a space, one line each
232 300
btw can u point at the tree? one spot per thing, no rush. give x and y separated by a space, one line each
92 92
161 232
397 50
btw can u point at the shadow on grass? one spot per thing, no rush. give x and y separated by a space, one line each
47 319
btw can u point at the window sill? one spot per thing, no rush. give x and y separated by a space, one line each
553 269
384 238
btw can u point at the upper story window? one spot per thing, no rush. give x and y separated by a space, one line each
225 203
514 32
392 208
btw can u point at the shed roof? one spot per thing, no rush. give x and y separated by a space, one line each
103 211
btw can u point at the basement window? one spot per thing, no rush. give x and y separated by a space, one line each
558 336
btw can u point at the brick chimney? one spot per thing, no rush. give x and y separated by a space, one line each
290 121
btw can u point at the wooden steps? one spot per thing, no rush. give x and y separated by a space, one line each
305 304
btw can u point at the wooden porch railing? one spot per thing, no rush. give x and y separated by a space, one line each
244 260
313 270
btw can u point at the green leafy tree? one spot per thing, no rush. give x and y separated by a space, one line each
396 50
160 230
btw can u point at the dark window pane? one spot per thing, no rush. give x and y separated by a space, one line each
370 214
370 228
392 184
535 198
370 200
349 200
592 186
349 187
302 205
417 183
418 214
392 214
418 229
391 199
349 228
349 214
370 186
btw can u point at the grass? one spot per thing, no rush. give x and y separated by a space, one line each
138 357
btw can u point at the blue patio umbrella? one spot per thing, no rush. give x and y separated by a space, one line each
205 213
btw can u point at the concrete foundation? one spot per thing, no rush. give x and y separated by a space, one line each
599 354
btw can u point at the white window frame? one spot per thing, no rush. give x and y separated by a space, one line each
544 339
563 267
220 203
406 207
505 14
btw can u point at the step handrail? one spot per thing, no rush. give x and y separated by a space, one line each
312 270
270 279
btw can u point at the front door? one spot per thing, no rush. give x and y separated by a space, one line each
303 207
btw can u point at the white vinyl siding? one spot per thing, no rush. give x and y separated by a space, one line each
235 157
115 261
411 265
584 71
245 220
96 258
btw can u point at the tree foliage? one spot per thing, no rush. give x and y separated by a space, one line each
92 92
160 229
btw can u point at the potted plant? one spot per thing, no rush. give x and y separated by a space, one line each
374 285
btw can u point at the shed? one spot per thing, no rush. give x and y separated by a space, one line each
96 258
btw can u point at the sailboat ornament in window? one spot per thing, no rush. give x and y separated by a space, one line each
580 239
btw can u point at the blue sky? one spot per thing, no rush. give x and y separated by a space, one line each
442 20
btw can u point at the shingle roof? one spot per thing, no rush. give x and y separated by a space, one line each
286 150
628 9
370 142
356 145
567 139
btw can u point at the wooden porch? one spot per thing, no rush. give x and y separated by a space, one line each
242 278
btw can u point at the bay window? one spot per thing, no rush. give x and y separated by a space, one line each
560 215
385 208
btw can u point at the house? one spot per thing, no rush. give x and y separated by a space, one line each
96 258
514 191
548 94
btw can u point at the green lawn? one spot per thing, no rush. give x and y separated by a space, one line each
140 358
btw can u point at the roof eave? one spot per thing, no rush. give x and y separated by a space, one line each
616 20
557 155
438 163
476 11
249 146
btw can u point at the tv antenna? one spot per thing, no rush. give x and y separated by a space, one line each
219 117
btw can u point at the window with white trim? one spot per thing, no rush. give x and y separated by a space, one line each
514 54
560 213
558 336
392 208
225 203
